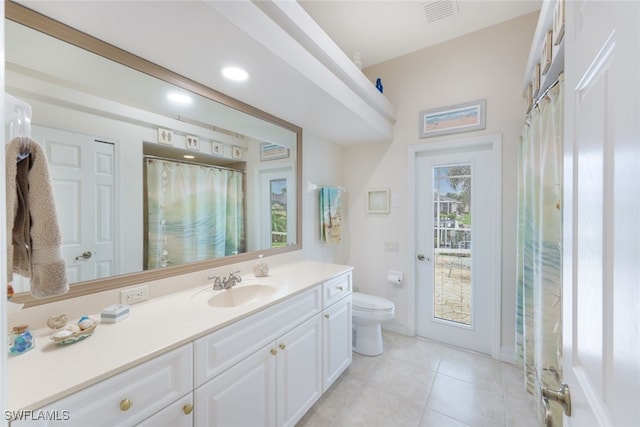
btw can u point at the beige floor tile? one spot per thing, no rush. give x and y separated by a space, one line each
421 383
432 418
467 402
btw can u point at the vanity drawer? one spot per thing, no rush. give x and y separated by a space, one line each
224 348
333 290
144 389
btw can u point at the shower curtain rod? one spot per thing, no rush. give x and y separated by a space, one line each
167 159
543 94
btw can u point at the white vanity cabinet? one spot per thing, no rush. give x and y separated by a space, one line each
126 398
262 369
336 328
273 384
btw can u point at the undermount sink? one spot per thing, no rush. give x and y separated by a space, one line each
245 293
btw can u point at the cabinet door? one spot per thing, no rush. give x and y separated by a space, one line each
298 371
242 396
337 337
178 414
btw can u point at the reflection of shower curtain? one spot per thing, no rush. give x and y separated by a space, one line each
193 212
539 270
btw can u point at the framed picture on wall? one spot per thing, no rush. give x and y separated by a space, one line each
458 118
378 201
558 22
270 151
545 54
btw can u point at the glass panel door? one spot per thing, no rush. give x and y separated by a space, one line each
452 243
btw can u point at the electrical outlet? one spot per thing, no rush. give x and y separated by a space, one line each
165 136
134 295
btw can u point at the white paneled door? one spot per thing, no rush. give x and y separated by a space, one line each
457 242
601 279
82 175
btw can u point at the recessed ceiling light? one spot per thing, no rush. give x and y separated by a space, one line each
235 74
189 156
180 98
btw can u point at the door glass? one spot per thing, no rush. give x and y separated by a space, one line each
452 243
278 198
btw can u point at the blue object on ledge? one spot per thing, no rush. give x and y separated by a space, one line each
379 84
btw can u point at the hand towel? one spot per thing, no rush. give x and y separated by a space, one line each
330 215
32 223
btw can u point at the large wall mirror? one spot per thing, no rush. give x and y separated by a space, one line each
154 175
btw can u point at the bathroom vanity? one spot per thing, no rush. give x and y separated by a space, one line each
179 361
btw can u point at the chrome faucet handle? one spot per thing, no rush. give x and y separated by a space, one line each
217 284
232 280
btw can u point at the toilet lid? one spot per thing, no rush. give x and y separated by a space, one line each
371 302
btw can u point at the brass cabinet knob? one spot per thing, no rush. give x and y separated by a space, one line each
282 346
187 409
126 404
326 316
340 288
274 351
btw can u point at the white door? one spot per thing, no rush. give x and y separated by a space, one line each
457 242
601 277
82 175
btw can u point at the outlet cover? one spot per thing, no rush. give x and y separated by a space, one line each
134 295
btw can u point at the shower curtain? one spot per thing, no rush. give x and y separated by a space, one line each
539 253
194 213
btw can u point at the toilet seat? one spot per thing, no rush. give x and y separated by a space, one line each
371 303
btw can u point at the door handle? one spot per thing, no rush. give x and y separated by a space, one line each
421 257
85 255
562 396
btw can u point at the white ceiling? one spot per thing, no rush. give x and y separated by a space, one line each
381 30
297 72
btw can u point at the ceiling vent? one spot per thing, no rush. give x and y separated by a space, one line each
439 9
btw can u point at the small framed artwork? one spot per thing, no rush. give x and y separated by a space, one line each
378 201
193 142
217 147
236 152
558 22
270 151
535 82
545 54
458 118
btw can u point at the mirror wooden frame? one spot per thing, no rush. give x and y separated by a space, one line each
53 28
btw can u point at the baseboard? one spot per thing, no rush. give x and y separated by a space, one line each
508 355
396 327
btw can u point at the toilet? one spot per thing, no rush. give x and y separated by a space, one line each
369 312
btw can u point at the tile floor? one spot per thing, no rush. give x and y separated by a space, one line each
420 383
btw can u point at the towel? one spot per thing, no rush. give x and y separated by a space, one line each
330 215
32 223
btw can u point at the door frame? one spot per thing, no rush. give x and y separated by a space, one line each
458 145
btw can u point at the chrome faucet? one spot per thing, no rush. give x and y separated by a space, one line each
226 282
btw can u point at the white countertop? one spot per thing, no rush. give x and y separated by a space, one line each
50 372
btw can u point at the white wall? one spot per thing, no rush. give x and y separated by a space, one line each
323 165
488 64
